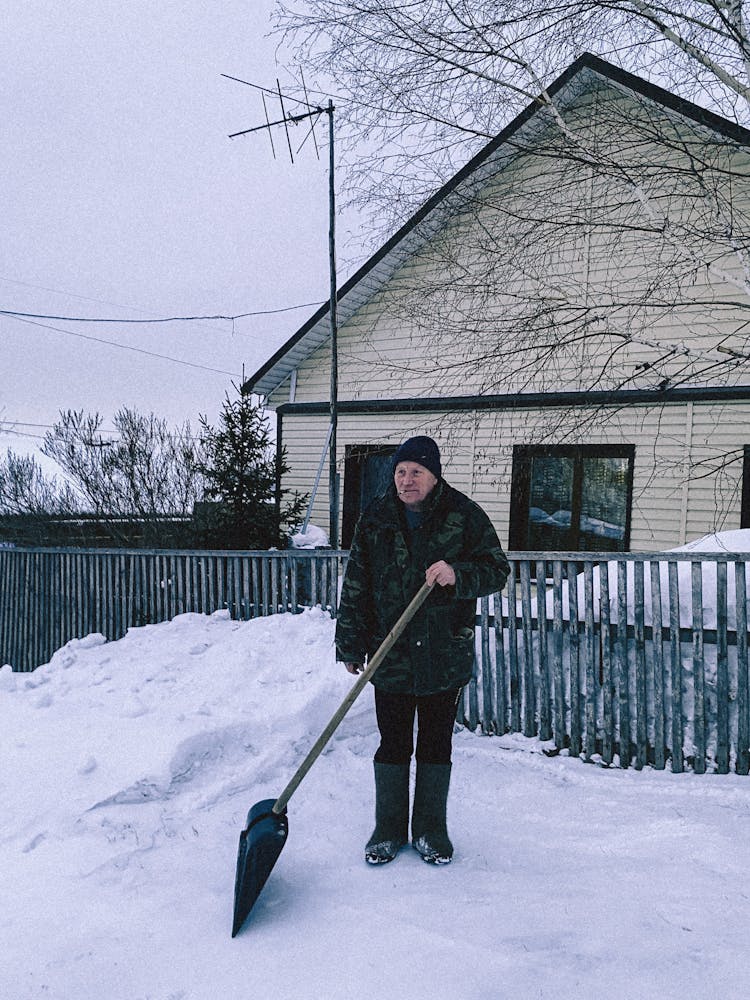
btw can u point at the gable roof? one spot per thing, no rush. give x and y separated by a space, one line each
427 220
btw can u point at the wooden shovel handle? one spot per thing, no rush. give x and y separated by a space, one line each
372 665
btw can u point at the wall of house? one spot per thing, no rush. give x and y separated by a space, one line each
678 494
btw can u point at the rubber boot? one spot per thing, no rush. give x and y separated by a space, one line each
429 832
391 813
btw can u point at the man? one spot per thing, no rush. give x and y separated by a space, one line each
420 529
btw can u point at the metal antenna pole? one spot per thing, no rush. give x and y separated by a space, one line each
333 527
312 114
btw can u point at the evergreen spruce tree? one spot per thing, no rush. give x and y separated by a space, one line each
240 471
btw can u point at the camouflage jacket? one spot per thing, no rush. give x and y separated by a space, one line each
386 568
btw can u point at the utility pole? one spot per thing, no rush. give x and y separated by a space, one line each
312 114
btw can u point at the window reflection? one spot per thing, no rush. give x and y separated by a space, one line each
572 498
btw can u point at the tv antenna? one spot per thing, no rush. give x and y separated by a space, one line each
311 114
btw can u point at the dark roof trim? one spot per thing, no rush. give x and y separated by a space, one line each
526 400
701 116
587 61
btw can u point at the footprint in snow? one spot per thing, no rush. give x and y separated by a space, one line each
88 766
34 843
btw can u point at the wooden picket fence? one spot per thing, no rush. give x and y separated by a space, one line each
635 659
49 596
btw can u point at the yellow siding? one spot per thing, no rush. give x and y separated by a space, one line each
477 452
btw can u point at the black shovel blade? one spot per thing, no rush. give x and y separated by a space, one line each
261 842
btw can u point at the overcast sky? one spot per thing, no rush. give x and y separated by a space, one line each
122 196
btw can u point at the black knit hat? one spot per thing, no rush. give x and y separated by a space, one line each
422 450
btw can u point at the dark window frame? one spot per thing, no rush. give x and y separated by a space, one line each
521 483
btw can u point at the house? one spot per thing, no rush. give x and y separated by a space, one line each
568 316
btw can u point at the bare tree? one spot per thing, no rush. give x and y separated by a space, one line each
146 472
24 489
422 84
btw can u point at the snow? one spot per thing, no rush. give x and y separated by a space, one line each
312 537
126 772
721 543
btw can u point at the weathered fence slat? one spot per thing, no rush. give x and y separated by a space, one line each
743 706
722 671
274 601
314 582
621 659
660 758
220 599
542 666
529 710
590 658
27 611
558 680
607 678
514 677
486 671
675 670
576 716
285 587
18 617
699 671
641 693
501 670
295 587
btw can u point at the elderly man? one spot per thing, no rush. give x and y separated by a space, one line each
420 529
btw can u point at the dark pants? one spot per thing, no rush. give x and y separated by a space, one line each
435 713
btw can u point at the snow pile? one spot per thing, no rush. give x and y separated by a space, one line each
126 772
312 538
141 719
723 542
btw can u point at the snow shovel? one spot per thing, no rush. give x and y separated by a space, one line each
266 830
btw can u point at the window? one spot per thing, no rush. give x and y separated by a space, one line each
745 507
571 497
368 471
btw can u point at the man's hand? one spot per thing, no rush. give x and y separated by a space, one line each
441 573
354 668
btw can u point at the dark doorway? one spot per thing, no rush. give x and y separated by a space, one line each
368 471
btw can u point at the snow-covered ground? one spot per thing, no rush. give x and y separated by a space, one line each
127 769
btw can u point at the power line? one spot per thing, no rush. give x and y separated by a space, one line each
158 319
127 347
14 433
8 426
20 423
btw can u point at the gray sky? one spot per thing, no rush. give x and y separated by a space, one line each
122 196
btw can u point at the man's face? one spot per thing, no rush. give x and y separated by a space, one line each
413 484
